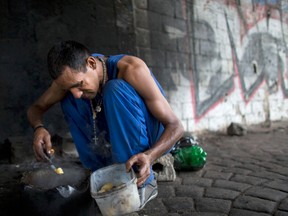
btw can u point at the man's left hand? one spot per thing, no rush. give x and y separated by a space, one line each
143 163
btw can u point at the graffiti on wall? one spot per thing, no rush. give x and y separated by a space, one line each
264 55
259 53
211 81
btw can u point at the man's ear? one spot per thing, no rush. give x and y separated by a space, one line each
91 62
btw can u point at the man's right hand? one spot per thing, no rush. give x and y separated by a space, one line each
41 143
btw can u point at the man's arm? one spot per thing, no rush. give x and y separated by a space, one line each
136 72
35 115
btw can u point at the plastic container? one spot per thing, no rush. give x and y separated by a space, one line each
123 198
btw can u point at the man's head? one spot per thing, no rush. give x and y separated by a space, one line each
74 70
66 53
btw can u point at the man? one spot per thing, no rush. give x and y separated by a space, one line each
114 98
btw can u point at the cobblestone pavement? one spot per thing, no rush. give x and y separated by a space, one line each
244 176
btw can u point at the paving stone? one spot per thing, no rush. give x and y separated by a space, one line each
191 191
251 167
205 182
213 159
281 213
169 214
237 170
247 160
206 214
241 212
281 170
269 165
284 205
268 175
178 181
266 193
248 179
132 214
278 184
231 185
221 193
185 174
213 205
255 204
217 175
215 167
179 203
165 191
229 163
155 206
161 214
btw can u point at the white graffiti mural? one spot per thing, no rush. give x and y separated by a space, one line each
251 36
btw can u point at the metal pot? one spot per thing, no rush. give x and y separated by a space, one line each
46 193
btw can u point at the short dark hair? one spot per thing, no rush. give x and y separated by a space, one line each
66 53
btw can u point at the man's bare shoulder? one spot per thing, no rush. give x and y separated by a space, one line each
129 64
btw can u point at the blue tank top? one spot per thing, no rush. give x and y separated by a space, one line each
111 64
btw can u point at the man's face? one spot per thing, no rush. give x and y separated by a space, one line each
81 84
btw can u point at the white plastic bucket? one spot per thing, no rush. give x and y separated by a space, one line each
121 200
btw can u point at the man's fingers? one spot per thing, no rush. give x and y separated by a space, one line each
36 152
143 167
133 160
47 144
141 180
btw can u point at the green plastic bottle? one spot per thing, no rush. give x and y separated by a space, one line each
189 158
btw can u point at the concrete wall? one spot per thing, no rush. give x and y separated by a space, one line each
28 29
219 61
